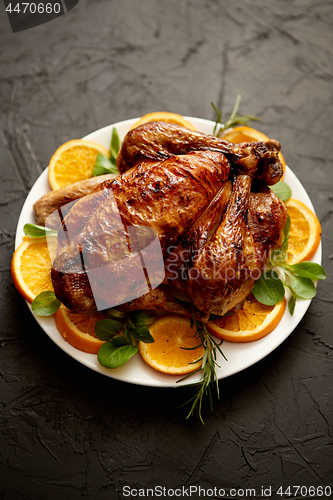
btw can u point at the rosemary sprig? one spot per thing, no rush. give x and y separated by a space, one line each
209 377
233 120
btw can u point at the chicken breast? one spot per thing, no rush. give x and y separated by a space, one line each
166 196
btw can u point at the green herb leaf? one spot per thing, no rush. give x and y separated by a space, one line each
104 166
234 119
280 255
106 329
143 334
286 227
115 145
34 231
269 289
282 190
309 270
218 117
124 339
114 356
291 304
134 329
115 314
303 288
209 364
45 304
284 250
141 318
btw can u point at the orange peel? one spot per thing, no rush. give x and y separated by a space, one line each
31 268
164 116
174 348
252 321
73 161
79 329
304 234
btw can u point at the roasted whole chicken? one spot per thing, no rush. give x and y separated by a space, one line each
207 204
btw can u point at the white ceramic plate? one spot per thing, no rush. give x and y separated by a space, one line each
136 371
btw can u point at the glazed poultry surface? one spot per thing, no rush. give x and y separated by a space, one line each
205 199
53 200
158 140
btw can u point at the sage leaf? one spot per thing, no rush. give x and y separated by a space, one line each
115 314
279 255
45 304
284 250
106 329
286 227
122 340
143 334
141 318
114 356
309 270
282 190
291 304
34 231
104 166
115 144
269 289
303 288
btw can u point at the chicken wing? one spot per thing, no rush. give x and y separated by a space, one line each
53 200
158 140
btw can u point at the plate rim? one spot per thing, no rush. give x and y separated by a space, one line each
153 378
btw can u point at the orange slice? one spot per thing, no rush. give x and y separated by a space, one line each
167 353
74 161
164 116
31 268
252 321
248 134
305 232
79 329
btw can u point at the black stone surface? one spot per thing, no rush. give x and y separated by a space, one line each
68 432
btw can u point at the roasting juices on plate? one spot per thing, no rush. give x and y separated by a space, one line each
187 228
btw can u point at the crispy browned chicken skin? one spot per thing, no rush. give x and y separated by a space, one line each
51 201
157 141
205 198
167 196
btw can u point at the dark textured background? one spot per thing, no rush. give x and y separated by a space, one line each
68 432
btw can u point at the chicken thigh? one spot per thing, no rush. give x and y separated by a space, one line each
218 269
